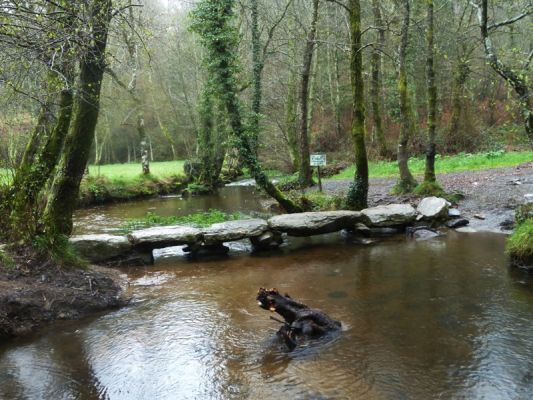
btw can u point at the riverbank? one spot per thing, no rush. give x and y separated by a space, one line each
34 292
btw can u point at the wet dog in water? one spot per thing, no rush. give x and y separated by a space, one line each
300 321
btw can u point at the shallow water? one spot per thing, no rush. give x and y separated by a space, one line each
438 319
109 217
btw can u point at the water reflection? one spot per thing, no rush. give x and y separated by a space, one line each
107 218
443 318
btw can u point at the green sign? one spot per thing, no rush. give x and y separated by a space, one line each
318 160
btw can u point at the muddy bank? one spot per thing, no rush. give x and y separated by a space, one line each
33 293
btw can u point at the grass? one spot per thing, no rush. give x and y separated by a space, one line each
455 163
520 244
159 169
199 220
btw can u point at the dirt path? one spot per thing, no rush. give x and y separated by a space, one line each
493 193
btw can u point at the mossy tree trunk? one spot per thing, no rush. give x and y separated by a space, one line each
406 182
429 174
358 193
376 87
460 78
65 188
212 20
291 106
305 173
44 148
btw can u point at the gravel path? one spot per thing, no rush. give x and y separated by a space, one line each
492 194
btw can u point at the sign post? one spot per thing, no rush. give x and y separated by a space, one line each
318 160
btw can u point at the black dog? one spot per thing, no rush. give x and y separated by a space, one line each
301 322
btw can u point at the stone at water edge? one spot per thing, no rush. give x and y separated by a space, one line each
454 213
100 247
457 223
390 215
267 240
433 208
315 223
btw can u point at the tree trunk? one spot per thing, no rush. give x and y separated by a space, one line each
429 174
375 89
517 81
406 182
31 178
65 188
305 176
358 193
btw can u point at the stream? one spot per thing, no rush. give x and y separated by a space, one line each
444 318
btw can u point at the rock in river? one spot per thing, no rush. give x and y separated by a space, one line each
234 230
96 248
315 223
390 215
431 208
164 236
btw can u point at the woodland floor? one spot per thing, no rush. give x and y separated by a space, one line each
492 194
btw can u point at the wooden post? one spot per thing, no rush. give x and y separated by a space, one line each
319 178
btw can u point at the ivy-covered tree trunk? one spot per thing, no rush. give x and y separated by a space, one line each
212 20
406 182
429 174
305 175
210 147
358 193
65 188
291 107
376 87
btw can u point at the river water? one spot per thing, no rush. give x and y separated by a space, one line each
439 319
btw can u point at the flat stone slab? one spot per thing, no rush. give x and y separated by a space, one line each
234 230
101 247
390 215
165 236
315 223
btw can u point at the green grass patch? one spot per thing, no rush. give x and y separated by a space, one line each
199 220
520 244
429 189
158 169
446 164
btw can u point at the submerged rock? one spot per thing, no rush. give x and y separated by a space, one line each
234 230
315 223
390 215
164 236
457 223
267 240
433 208
101 247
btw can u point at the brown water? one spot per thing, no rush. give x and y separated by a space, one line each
108 218
438 319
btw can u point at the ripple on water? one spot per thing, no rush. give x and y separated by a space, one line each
445 321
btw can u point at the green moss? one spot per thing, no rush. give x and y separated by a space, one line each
202 219
520 244
429 189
